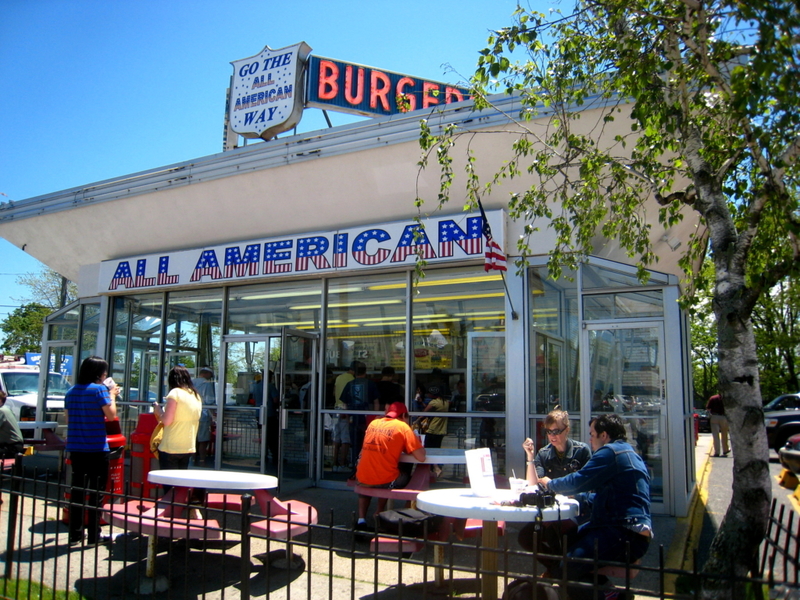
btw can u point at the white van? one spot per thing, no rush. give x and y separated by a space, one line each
21 383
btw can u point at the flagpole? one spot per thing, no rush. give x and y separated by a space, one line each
514 315
494 255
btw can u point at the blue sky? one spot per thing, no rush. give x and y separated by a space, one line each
94 89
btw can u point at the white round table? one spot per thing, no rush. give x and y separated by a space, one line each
202 478
462 503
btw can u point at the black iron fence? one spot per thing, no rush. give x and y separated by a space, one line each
230 558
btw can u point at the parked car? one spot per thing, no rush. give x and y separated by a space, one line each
782 419
703 420
790 454
21 383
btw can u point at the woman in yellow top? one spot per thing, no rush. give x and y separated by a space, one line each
180 418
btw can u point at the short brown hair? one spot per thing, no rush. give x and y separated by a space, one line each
557 417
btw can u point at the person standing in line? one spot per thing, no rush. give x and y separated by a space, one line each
389 391
181 419
360 394
719 424
341 426
11 442
205 386
88 404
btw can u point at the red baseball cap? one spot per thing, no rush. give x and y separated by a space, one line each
396 410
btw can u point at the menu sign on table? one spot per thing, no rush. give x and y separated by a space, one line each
480 471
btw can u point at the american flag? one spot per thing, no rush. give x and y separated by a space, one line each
141 280
494 257
470 241
360 247
312 248
163 269
207 265
122 276
272 253
242 265
340 250
409 245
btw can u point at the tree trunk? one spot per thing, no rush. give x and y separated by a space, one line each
734 549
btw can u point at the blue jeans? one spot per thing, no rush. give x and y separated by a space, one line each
612 543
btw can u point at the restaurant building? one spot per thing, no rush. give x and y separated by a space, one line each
290 259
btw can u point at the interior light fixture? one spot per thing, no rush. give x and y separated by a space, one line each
345 304
428 283
458 297
477 313
281 294
291 324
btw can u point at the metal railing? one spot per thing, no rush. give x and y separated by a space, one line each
331 560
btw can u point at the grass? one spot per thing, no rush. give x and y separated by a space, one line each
22 588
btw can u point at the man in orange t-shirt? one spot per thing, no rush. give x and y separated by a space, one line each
386 439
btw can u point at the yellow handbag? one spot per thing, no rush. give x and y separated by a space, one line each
155 438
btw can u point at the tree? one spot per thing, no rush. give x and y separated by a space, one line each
46 288
707 92
777 330
23 329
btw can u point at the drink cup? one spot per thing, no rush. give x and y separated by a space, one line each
517 485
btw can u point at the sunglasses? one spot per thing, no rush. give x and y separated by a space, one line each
555 431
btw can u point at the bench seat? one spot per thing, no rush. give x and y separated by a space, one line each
403 494
292 519
144 517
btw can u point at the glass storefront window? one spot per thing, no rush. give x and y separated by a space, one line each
89 330
554 342
193 330
266 308
623 305
136 356
597 277
65 325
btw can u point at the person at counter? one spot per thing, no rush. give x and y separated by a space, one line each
561 456
385 440
615 486
87 405
11 442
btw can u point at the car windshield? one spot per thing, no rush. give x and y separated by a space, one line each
788 402
17 384
57 384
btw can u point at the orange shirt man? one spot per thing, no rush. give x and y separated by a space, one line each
385 440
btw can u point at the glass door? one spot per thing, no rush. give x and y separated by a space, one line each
298 392
268 406
241 428
627 376
58 361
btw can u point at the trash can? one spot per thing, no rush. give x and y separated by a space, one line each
116 467
142 460
116 460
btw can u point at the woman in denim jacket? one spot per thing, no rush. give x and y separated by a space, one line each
615 486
